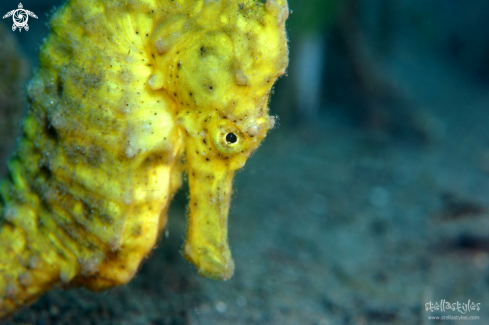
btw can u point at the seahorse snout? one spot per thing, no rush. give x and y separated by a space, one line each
207 234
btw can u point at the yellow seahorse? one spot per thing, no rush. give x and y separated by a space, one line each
128 95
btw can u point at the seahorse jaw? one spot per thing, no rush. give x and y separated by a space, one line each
207 231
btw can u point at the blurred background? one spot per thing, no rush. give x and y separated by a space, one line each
368 202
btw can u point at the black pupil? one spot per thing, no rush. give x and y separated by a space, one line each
231 138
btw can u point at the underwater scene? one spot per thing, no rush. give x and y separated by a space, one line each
184 162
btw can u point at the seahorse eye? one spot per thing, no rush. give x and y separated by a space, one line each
227 138
231 138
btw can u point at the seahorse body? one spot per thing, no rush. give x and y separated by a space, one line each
124 91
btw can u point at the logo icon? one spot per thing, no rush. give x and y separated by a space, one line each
20 16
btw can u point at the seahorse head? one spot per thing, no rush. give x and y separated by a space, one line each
219 69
